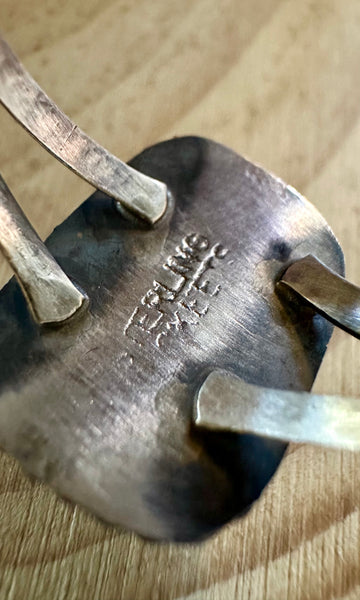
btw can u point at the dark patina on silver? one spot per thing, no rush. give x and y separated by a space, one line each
102 408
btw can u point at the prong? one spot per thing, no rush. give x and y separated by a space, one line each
52 297
227 403
330 294
28 103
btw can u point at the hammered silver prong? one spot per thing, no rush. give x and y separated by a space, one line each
330 294
226 402
36 112
52 297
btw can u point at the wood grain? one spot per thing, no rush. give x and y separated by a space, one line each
279 82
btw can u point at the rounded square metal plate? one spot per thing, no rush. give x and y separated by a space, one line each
101 408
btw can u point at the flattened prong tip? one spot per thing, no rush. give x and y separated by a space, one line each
207 411
51 295
197 411
150 205
327 292
74 304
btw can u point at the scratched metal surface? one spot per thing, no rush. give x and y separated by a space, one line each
101 408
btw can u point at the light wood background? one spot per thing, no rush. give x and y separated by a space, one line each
278 81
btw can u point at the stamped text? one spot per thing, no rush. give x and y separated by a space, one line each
182 293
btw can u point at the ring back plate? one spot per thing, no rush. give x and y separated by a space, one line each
101 408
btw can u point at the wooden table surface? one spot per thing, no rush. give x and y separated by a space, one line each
277 81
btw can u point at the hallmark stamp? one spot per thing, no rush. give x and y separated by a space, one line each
182 293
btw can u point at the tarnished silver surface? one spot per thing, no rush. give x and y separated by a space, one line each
51 295
336 298
102 409
227 403
35 111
